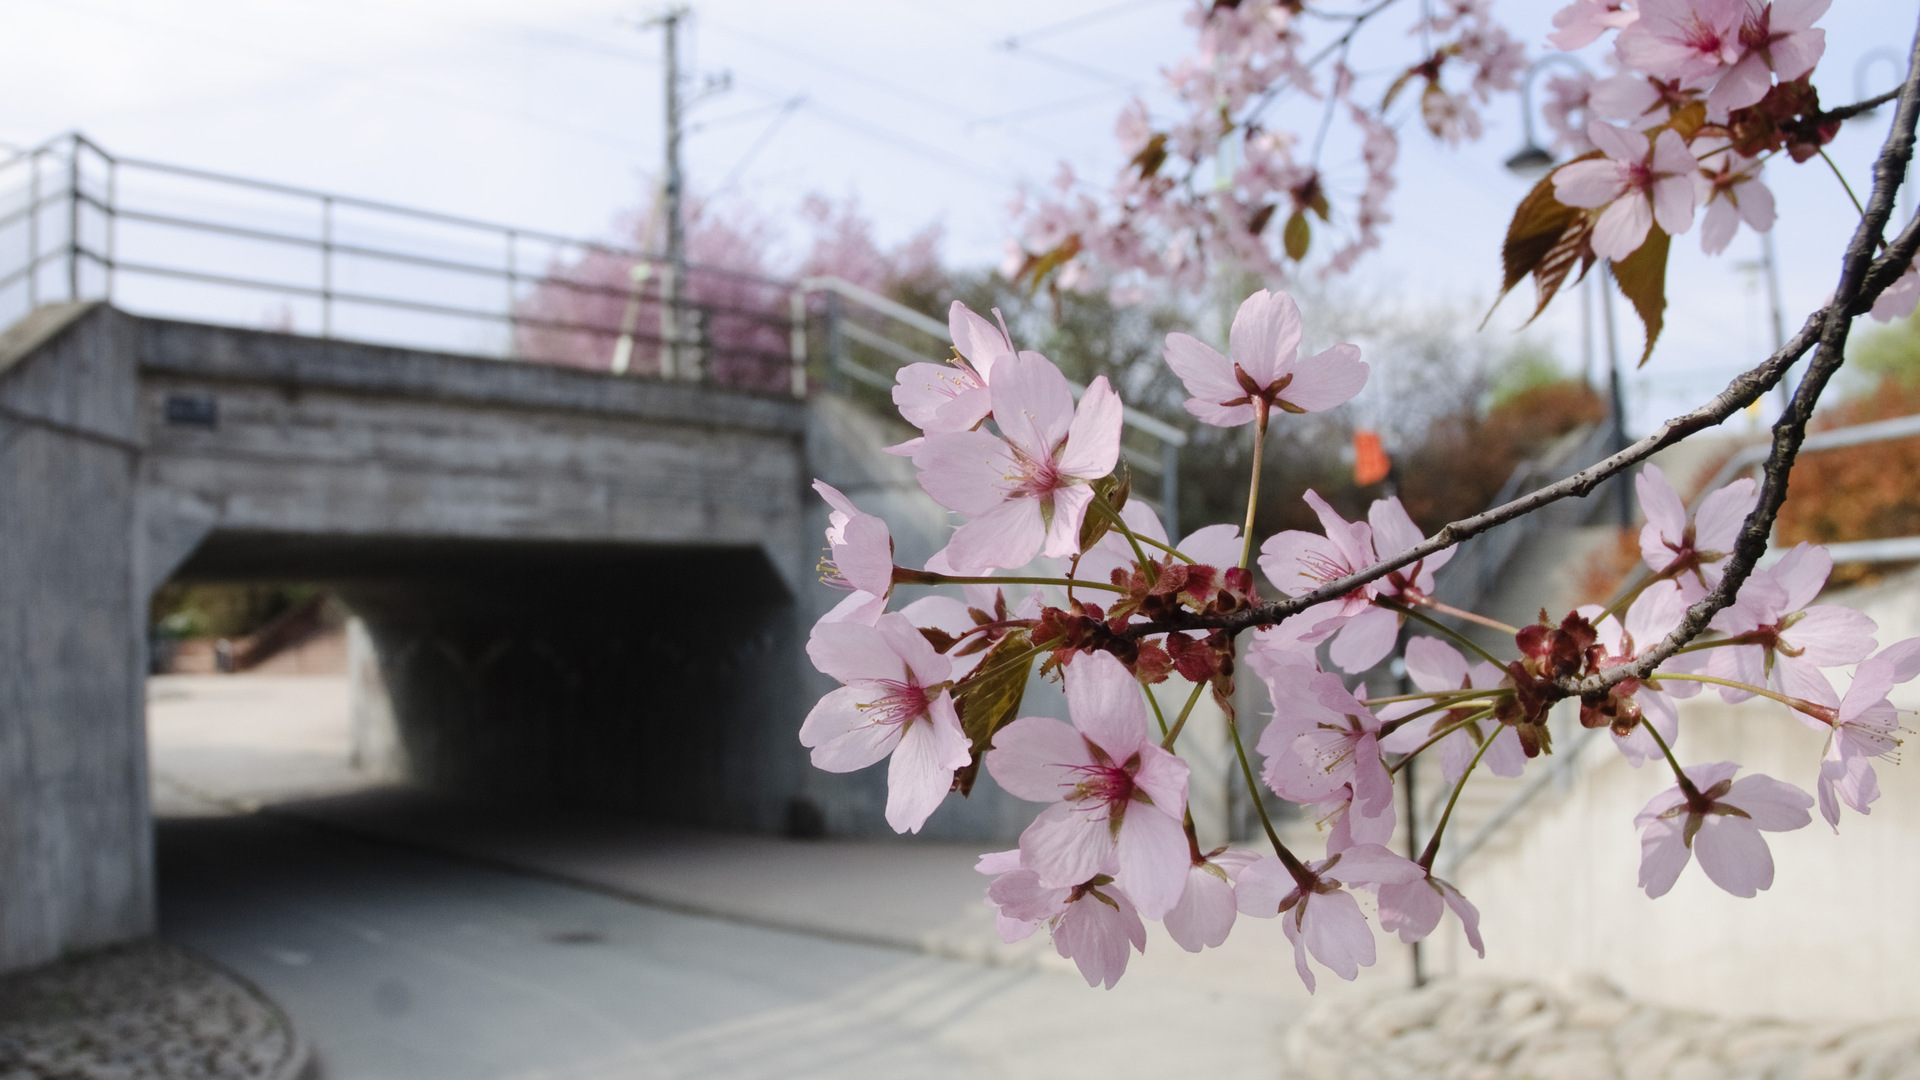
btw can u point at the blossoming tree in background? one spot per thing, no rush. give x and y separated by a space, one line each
1064 578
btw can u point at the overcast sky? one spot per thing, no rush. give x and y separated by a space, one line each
549 115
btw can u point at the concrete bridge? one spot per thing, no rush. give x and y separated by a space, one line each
579 587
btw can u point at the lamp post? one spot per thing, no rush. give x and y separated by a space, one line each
1533 161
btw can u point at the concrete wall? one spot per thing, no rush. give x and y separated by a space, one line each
75 842
1836 937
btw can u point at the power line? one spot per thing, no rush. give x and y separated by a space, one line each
843 70
1085 71
787 109
1097 15
1082 101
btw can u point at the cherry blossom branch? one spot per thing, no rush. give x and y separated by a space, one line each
1859 271
1848 112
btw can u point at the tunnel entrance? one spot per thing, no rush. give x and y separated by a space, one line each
646 679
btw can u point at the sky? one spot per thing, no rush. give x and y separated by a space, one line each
549 115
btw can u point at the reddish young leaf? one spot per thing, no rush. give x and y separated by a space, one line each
1642 277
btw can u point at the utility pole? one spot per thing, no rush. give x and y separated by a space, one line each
674 276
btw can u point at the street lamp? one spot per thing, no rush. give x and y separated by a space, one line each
1533 161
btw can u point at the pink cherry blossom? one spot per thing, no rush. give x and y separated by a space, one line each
1265 370
943 398
1900 298
1436 666
1566 111
892 703
1412 909
1581 23
1394 532
1117 796
1092 923
1780 638
1640 182
1691 551
1321 916
1321 739
1653 615
1633 99
1299 562
1775 39
860 547
1730 188
1205 914
1863 729
1026 493
1723 829
1217 546
1691 40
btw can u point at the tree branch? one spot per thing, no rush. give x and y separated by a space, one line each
1850 298
1862 280
1848 112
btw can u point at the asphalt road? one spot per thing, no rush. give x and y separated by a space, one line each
400 965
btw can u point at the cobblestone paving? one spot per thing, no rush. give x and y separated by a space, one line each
1489 1030
142 1012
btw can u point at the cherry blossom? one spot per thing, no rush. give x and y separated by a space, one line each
1581 23
1863 729
1412 909
1299 562
1776 39
1569 99
1027 493
1322 738
1092 923
1693 40
1217 546
859 558
1641 183
892 703
1436 666
1631 706
1691 551
942 398
1900 298
1117 796
1776 638
1205 914
1265 371
1322 917
1722 825
1730 188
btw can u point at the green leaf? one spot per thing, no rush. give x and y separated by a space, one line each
1298 236
1642 277
989 697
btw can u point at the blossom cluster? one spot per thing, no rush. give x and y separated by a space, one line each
1115 606
1703 95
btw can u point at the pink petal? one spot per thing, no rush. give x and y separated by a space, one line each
1265 335
852 652
1464 910
1722 221
1293 560
1206 374
1618 143
1797 53
1733 855
1215 545
1095 936
1772 805
939 398
1093 439
1832 635
921 772
1327 379
1433 664
1717 524
995 863
978 340
1755 200
1066 846
966 471
1802 573
1032 404
1622 227
841 736
1366 639
1411 909
1290 925
1394 531
1106 704
1372 864
1506 757
1163 777
859 607
1034 758
1006 536
1070 505
1205 914
1259 889
1587 184
1153 858
1666 516
1336 933
1663 854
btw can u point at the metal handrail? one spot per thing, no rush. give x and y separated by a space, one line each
716 332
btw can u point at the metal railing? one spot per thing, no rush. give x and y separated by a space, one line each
80 223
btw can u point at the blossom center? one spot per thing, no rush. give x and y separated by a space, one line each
900 703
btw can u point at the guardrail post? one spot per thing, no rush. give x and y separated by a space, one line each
73 221
836 345
326 266
1170 489
113 217
33 231
797 341
513 280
